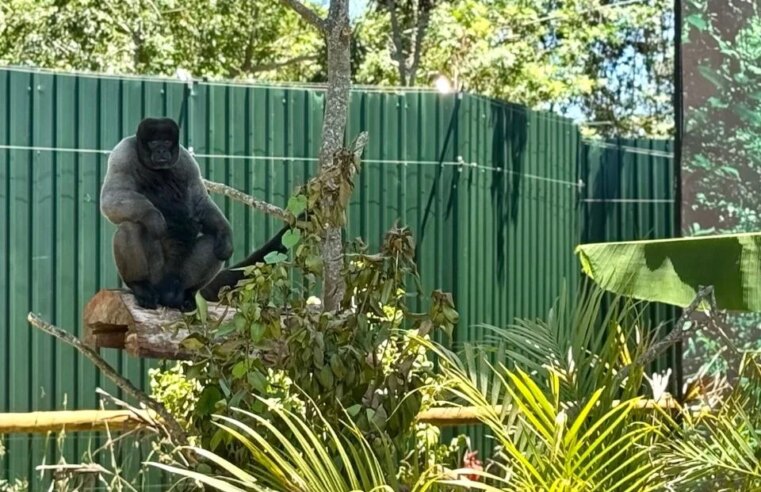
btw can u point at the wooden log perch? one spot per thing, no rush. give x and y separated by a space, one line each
113 319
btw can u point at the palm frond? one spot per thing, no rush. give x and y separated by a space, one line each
722 449
313 457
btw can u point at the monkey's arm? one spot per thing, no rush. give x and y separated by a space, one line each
119 199
209 216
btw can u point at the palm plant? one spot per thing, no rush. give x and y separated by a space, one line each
719 450
314 457
560 398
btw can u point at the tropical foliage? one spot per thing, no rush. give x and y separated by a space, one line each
563 399
281 356
552 395
720 450
721 163
673 271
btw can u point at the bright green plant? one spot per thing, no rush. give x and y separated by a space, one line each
720 449
674 270
552 394
561 397
175 391
314 456
554 445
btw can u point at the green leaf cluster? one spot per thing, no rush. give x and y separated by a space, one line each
279 349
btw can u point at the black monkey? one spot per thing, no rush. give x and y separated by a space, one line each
171 239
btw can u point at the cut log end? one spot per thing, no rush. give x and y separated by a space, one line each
112 319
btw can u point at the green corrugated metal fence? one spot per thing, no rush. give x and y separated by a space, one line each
490 190
629 195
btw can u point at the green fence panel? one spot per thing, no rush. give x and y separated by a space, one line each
496 195
629 195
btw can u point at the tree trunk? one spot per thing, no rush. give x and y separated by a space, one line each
396 36
338 35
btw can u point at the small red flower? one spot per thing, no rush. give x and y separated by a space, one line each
470 460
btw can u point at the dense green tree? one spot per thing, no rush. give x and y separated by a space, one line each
607 62
610 61
210 38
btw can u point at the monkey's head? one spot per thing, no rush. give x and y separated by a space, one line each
158 143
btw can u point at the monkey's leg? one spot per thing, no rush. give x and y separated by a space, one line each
139 261
198 270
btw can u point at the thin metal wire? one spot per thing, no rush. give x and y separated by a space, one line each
35 148
627 200
461 164
628 148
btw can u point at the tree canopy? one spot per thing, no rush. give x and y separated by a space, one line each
259 39
606 62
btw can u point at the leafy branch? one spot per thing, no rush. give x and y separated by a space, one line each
307 13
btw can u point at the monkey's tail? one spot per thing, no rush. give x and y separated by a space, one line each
230 277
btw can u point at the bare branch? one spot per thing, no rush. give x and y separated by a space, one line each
175 429
424 16
306 13
677 334
265 67
241 197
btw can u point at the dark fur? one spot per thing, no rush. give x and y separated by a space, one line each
171 239
229 277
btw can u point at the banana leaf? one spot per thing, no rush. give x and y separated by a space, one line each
672 271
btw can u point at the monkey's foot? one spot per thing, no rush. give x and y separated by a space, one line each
171 293
189 303
145 296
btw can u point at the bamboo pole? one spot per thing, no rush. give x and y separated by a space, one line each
72 421
125 420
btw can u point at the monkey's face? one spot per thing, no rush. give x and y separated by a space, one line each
158 143
162 154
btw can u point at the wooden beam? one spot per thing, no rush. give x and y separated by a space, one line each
112 319
124 420
71 421
450 416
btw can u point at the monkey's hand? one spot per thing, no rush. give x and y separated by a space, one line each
155 224
223 246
